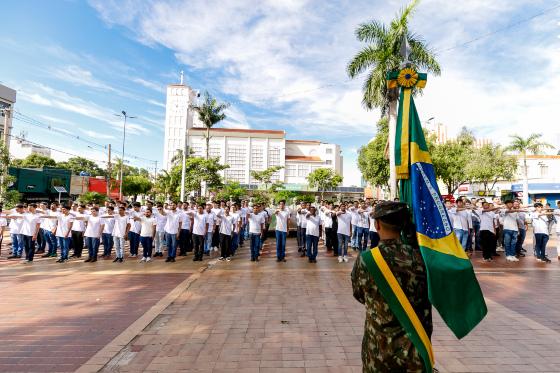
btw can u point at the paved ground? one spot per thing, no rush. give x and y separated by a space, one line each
277 317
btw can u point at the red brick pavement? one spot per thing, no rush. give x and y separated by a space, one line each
55 317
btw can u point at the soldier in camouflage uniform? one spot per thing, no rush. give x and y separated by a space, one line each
386 346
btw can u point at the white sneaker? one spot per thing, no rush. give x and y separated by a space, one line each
340 259
228 259
215 249
148 259
133 256
511 259
221 258
500 249
539 260
143 259
345 258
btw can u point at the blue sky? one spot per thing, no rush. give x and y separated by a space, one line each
280 64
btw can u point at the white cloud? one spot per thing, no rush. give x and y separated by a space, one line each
235 118
148 84
156 103
97 135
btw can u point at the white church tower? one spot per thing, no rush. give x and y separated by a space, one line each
178 117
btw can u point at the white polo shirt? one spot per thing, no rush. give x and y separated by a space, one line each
172 223
29 226
313 224
147 226
199 223
108 225
62 229
16 223
344 221
487 220
93 226
255 222
282 220
226 224
510 220
540 223
119 228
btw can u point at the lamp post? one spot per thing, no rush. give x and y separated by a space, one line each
125 116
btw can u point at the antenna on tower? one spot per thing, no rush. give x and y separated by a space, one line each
181 77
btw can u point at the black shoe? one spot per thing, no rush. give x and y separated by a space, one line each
302 255
546 260
520 255
13 257
116 260
94 260
121 260
45 255
87 260
284 260
310 260
172 260
257 259
252 259
60 260
168 259
496 254
278 260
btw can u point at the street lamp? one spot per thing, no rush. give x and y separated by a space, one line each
124 115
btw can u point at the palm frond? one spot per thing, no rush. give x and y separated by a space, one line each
372 32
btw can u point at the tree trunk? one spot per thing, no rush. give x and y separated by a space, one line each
207 142
392 114
525 181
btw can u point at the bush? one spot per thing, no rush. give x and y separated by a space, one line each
93 197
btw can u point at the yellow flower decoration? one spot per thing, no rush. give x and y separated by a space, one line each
407 77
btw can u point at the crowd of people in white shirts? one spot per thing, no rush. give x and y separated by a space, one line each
493 226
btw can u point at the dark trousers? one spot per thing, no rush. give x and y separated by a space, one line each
198 245
147 245
301 238
255 245
29 245
541 240
134 242
41 242
312 246
185 241
234 242
107 243
334 240
78 243
373 239
476 228
488 243
225 245
92 244
328 239
216 237
520 239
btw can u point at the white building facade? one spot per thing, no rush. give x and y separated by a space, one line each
246 150
21 148
7 101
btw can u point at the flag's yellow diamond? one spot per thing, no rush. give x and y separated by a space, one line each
407 77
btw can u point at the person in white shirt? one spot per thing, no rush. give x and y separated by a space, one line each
540 228
282 225
3 225
363 227
78 229
147 233
373 235
120 232
159 240
460 219
200 227
353 211
185 236
135 227
302 225
511 230
217 209
235 235
312 234
29 230
557 216
63 230
15 232
208 239
172 229
256 229
227 226
487 230
93 232
49 228
107 235
328 225
343 232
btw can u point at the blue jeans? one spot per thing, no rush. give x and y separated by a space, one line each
64 243
50 239
17 244
510 240
234 242
363 234
42 244
92 244
541 240
373 239
312 246
343 241
119 246
171 239
463 236
255 245
134 242
208 243
107 243
147 244
281 244
520 240
354 240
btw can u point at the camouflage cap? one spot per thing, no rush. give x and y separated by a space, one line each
394 213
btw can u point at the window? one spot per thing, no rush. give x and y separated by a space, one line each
328 161
303 170
236 156
215 151
329 151
197 151
257 158
544 170
291 170
235 175
273 157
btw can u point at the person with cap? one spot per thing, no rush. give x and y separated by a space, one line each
386 346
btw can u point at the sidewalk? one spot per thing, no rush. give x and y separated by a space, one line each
300 317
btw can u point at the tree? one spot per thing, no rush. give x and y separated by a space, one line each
324 179
450 160
382 54
199 170
265 177
80 164
231 191
489 164
93 197
522 146
371 157
35 161
167 183
135 185
8 197
210 112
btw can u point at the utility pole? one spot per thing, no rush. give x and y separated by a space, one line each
124 115
109 171
6 139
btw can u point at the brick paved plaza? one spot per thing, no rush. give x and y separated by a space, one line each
249 317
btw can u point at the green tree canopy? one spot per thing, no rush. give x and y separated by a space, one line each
93 197
79 164
265 176
198 170
383 54
371 157
135 185
324 179
231 191
34 161
489 164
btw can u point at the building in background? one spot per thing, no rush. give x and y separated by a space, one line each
7 101
246 150
20 148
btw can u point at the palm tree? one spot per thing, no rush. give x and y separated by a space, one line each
523 146
381 55
210 112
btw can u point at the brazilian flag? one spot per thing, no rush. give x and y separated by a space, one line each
452 285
